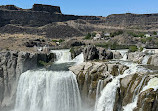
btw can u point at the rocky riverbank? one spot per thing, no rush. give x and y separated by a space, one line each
136 91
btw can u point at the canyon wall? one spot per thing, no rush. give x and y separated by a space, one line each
12 65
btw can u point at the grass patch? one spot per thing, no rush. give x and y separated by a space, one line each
113 46
88 36
43 63
60 41
133 48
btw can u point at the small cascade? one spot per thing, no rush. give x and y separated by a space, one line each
107 98
100 87
131 106
124 57
108 94
145 59
153 83
124 54
62 56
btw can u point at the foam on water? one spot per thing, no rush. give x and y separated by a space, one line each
48 91
42 90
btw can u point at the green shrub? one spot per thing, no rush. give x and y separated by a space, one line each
133 48
138 34
42 63
143 40
88 36
116 33
54 40
61 40
141 49
94 34
155 33
72 50
149 38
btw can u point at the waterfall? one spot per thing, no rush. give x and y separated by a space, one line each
47 90
123 52
100 86
107 99
153 83
131 106
145 59
62 56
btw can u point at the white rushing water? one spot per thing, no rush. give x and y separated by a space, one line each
123 52
44 90
64 56
145 59
108 94
153 83
48 91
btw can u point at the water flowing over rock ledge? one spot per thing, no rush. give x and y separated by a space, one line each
12 65
90 73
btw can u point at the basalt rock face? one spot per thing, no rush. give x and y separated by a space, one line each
90 73
92 52
148 101
131 87
128 19
12 65
47 8
39 15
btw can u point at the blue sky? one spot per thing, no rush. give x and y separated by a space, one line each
93 7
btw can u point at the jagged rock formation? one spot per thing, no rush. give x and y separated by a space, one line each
89 73
139 57
92 52
12 65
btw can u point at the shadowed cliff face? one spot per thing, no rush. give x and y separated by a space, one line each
12 65
37 16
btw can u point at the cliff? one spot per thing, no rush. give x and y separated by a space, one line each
12 65
129 19
38 15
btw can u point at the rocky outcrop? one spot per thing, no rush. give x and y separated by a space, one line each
12 65
47 8
92 52
140 57
89 74
132 86
148 101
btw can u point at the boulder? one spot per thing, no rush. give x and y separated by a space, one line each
90 53
117 55
154 60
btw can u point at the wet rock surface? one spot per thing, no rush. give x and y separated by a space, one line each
88 75
12 65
